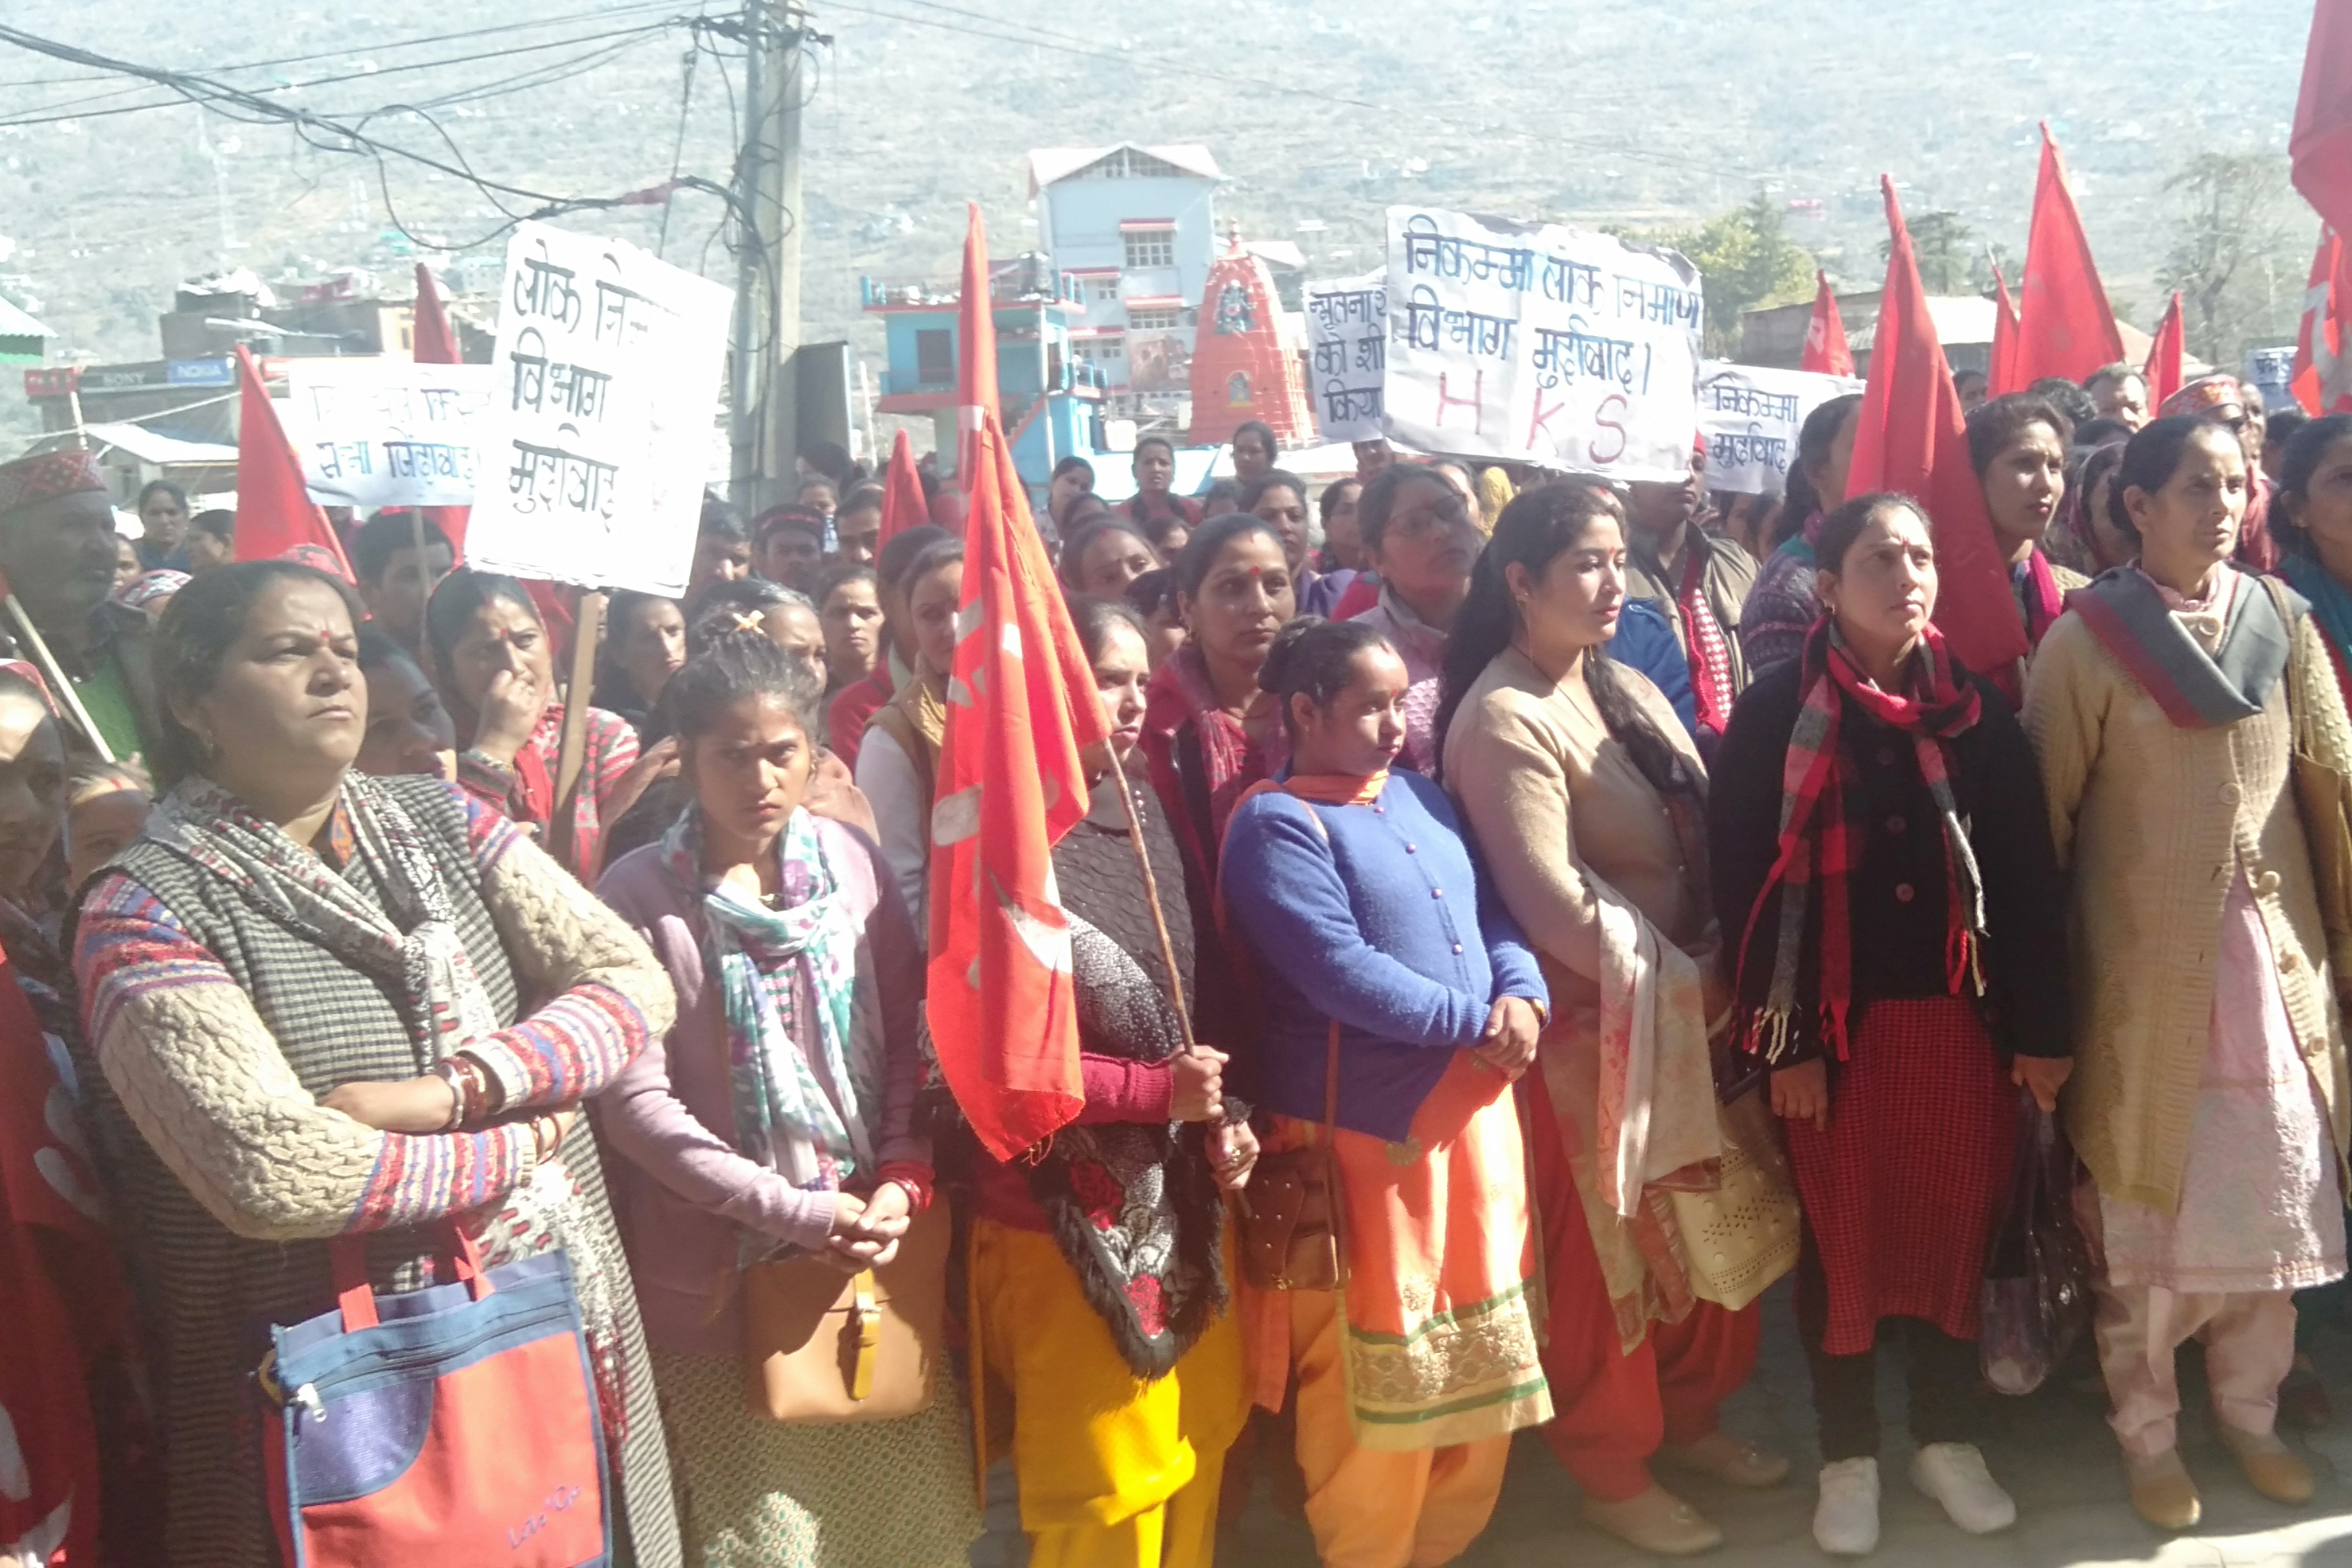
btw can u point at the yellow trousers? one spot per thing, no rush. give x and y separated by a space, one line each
1114 1472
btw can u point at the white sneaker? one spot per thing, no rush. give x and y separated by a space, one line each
1953 1474
1845 1521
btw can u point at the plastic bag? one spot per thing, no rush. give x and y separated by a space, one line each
2037 1281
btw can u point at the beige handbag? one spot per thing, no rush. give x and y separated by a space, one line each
821 1349
1742 1237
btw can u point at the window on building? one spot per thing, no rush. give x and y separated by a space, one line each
934 356
1150 247
1106 290
1127 163
1109 350
1155 320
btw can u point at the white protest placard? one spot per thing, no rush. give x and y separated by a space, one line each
386 432
1540 344
606 388
1750 414
1346 355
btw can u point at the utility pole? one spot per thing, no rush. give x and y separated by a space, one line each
765 428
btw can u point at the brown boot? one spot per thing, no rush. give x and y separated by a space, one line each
2162 1492
2272 1468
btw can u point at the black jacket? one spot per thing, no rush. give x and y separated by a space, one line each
1898 886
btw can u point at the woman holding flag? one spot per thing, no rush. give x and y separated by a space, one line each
1883 874
1404 1006
1098 1272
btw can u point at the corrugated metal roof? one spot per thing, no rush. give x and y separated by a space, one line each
15 323
1047 164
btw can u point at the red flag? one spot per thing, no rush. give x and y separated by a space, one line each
274 509
2164 355
435 344
1911 437
2002 376
1021 703
975 348
1825 345
2322 381
2321 144
903 505
2064 325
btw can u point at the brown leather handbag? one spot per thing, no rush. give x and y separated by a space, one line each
1290 1210
822 1350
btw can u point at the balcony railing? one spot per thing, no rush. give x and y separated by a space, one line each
1025 279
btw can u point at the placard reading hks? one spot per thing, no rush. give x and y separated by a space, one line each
1750 416
1346 355
386 432
605 391
1538 343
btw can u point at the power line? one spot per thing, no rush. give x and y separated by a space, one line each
176 96
352 140
605 13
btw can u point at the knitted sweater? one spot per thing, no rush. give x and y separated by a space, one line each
1378 916
2153 821
216 1029
681 1189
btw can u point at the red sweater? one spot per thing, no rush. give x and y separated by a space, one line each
1115 1090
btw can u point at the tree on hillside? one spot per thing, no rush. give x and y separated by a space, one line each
1946 249
1745 258
2231 254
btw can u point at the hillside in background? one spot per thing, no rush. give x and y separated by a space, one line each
1645 117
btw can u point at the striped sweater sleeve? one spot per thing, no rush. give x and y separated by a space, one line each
606 994
199 1073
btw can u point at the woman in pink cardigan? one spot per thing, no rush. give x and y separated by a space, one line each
775 1119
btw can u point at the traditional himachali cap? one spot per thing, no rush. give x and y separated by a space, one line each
144 590
2206 392
45 476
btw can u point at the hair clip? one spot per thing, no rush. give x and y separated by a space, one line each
751 620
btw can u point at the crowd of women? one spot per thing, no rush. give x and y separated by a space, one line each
1661 907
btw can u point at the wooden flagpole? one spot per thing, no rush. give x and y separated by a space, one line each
588 625
1151 894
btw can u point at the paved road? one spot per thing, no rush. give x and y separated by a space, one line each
2052 1452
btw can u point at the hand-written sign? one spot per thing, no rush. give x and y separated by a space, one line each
1751 415
1346 355
604 389
386 432
1540 344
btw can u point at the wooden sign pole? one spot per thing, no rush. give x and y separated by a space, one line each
572 752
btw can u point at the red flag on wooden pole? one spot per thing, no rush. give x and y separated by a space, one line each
435 343
903 506
2002 376
1911 437
2320 147
274 509
1825 346
2064 325
1020 704
2322 379
975 348
2164 355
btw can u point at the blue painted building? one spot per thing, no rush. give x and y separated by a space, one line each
1052 397
1136 227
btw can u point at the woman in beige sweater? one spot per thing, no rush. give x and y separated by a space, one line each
2208 1102
1583 791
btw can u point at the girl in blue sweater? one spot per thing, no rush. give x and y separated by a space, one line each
1398 1004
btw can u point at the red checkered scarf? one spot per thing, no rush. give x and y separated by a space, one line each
1710 655
1821 839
